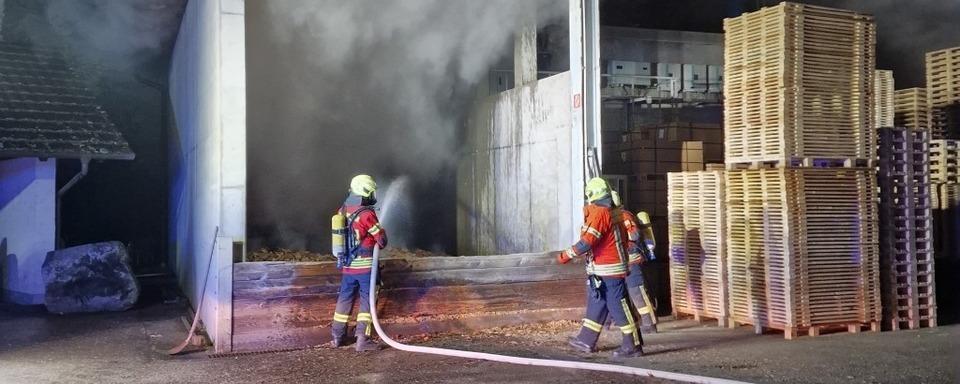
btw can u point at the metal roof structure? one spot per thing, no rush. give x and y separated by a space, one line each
47 111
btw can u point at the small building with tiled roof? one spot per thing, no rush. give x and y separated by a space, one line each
47 114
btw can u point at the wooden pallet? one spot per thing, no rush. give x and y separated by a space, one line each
791 333
883 107
943 75
802 247
799 81
811 162
943 87
910 109
703 317
906 228
696 217
946 219
944 160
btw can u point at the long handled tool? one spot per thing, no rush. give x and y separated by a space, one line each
196 316
523 360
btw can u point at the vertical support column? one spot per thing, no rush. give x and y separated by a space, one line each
591 78
577 148
233 160
525 53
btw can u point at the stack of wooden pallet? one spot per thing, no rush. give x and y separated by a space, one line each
883 106
698 275
802 246
944 176
906 229
910 109
943 161
799 83
943 92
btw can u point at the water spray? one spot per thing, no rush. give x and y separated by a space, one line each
395 211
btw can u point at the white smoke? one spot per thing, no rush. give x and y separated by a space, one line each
115 34
337 88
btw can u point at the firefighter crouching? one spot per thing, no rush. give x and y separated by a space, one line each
356 230
602 238
640 245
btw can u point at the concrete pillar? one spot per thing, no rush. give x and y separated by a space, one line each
525 54
577 148
27 226
208 210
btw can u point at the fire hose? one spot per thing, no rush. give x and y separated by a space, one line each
523 360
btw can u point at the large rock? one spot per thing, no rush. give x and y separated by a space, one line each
90 278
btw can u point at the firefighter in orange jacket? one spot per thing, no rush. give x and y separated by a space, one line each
639 248
602 242
365 233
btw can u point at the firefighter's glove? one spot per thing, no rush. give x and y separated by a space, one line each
564 257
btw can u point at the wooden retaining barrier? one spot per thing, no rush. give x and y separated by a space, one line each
283 305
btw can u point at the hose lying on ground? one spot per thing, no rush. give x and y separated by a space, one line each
523 360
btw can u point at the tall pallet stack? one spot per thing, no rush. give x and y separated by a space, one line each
906 229
943 92
698 275
801 85
944 176
802 246
883 106
911 109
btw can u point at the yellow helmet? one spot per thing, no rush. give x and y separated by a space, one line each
363 186
616 198
597 189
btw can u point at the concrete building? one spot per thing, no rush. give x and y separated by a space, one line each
47 116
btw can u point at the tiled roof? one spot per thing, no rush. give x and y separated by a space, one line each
46 111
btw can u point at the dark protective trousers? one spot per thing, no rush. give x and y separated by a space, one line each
638 296
608 296
352 287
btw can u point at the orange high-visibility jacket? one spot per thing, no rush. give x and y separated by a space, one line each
605 238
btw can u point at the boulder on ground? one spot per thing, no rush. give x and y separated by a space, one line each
89 278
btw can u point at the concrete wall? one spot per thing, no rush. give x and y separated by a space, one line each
27 226
513 194
208 155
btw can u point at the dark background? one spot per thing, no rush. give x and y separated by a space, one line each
123 49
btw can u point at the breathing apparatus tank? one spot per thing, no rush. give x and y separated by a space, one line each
649 240
338 226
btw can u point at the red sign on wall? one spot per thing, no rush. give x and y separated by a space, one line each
577 101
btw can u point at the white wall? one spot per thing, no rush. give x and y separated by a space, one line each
27 226
208 93
513 192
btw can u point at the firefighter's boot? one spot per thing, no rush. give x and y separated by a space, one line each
586 340
365 344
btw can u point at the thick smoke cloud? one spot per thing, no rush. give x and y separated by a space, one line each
337 88
99 35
